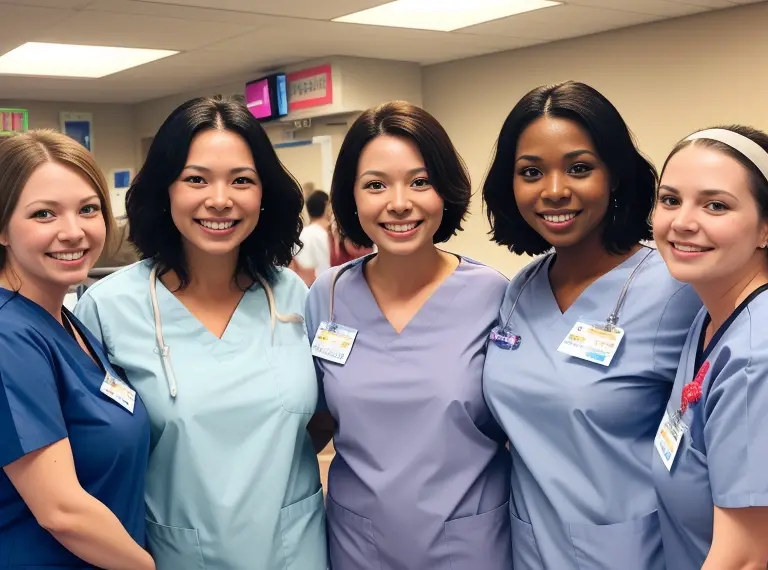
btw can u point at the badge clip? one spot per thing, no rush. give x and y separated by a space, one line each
504 338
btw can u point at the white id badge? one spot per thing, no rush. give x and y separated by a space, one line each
333 342
592 342
119 391
668 439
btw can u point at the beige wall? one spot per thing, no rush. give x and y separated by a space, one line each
113 128
666 79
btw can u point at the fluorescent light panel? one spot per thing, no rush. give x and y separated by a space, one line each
442 15
66 60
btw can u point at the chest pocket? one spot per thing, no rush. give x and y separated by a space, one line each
293 370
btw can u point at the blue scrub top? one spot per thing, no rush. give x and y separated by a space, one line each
233 481
50 390
581 434
420 479
722 459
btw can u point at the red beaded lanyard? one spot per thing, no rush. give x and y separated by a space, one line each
692 390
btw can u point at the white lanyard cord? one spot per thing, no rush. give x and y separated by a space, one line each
165 351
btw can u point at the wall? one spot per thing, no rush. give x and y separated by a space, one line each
113 128
667 79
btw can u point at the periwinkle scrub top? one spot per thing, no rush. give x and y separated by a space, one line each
420 479
233 480
581 434
50 390
722 459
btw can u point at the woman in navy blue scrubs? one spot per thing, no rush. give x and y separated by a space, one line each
74 437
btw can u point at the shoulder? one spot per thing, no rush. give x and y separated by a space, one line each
289 289
481 275
21 329
319 293
123 282
657 286
756 316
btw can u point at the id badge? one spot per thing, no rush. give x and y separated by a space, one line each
668 439
333 342
119 391
592 342
504 338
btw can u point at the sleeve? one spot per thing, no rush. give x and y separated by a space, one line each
30 411
313 315
87 311
736 431
674 326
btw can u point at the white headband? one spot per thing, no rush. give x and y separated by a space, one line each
749 148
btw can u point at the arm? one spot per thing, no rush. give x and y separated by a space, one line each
47 482
740 540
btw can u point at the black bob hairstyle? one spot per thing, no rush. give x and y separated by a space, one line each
151 227
633 177
446 170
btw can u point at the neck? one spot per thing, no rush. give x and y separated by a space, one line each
210 276
723 297
50 297
404 275
586 260
322 222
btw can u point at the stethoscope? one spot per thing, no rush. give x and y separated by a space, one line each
504 335
165 350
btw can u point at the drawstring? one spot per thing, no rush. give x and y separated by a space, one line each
165 351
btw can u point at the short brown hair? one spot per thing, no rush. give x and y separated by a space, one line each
21 154
445 168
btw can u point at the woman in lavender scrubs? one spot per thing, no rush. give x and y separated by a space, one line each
420 479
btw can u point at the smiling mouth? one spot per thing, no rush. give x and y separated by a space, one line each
218 225
70 256
559 218
690 248
401 228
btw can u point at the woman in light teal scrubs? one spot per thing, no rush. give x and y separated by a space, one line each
210 332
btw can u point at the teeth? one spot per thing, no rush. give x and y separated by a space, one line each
400 227
687 248
68 256
217 225
560 218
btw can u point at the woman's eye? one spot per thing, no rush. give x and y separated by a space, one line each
195 179
668 200
374 185
43 215
717 207
530 172
421 183
90 209
580 168
242 181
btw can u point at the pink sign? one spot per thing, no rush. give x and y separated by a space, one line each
257 98
310 88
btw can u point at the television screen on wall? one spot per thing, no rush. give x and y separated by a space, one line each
267 98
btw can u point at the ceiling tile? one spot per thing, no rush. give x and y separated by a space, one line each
180 12
129 30
61 4
559 22
310 9
667 8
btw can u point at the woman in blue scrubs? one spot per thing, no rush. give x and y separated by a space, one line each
74 437
420 479
589 335
711 460
209 330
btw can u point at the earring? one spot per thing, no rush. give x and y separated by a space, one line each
615 208
262 208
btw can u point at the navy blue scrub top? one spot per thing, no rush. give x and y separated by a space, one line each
50 390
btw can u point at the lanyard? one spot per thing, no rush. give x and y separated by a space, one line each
165 350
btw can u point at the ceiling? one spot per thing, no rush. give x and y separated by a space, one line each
226 40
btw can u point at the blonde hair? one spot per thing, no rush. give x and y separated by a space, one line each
22 154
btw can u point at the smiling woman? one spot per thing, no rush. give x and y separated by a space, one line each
74 437
233 478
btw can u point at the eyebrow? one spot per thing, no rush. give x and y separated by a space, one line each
384 174
708 192
54 203
236 170
567 155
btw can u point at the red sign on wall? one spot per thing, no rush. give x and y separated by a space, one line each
310 88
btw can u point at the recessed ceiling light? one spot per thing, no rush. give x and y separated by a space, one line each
65 60
442 15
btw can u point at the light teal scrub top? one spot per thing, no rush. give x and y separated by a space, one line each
233 480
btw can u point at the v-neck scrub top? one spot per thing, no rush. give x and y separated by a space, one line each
581 434
50 389
420 479
722 459
233 480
